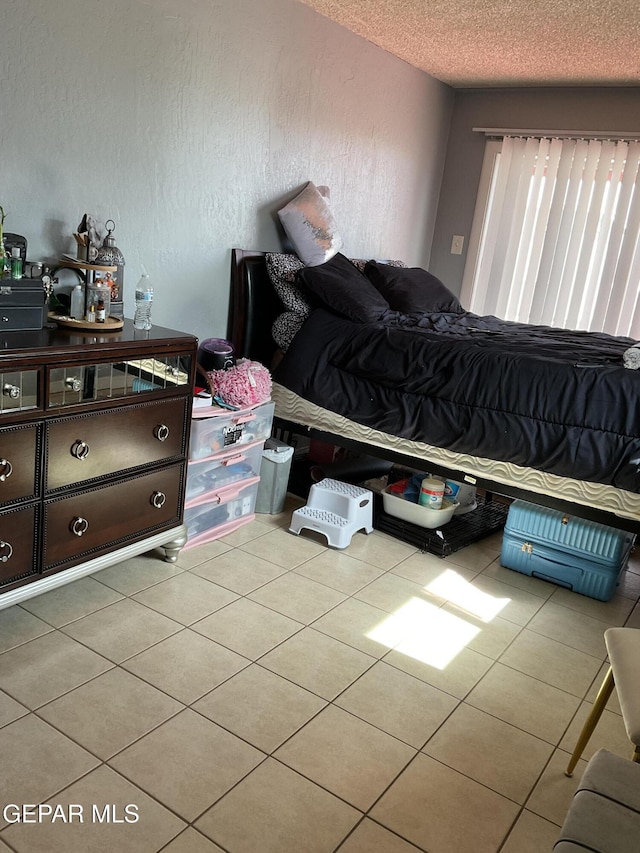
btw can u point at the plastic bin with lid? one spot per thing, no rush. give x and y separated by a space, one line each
214 430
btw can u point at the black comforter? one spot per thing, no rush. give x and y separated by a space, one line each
551 399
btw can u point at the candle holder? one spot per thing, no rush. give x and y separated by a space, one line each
110 255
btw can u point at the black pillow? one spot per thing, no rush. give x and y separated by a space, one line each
412 290
342 288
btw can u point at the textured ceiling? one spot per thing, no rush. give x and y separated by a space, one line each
487 43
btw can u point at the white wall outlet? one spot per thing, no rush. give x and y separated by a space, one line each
457 242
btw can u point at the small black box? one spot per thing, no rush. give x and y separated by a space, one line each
23 304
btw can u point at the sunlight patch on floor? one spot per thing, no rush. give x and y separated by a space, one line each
424 631
456 590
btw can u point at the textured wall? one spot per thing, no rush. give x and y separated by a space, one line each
188 122
612 110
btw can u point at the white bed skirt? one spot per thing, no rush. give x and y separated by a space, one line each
290 406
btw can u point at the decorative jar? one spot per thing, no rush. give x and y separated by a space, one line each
98 302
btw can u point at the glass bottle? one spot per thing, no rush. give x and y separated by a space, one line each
99 295
16 262
5 263
77 303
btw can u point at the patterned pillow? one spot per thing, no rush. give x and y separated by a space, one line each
285 327
361 264
309 224
283 271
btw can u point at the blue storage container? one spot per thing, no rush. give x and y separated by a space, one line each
571 552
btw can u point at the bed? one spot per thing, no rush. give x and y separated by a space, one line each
553 418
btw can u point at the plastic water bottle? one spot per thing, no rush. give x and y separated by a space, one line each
144 301
77 303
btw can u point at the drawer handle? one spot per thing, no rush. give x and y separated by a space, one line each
79 526
80 450
6 550
158 499
161 432
5 319
7 469
10 390
234 460
73 383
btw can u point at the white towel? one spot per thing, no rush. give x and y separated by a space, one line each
631 357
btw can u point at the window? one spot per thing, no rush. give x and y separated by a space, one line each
557 236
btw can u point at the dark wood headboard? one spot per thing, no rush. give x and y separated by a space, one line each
253 306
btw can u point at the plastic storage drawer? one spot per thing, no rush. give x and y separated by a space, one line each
215 431
231 466
217 513
580 555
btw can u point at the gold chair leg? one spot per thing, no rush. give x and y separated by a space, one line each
602 698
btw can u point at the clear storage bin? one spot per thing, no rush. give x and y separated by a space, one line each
216 430
230 466
207 516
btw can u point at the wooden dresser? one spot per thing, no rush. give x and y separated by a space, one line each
94 433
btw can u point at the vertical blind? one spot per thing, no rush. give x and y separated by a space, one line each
559 244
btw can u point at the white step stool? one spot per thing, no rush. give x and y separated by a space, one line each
337 510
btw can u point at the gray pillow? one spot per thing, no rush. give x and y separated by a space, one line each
309 224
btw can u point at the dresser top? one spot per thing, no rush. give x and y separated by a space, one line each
59 342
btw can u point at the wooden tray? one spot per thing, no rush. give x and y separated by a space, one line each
76 264
111 324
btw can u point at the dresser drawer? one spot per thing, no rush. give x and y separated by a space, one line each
103 518
75 384
18 546
93 446
22 319
19 452
19 391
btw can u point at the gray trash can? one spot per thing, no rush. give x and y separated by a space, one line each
274 476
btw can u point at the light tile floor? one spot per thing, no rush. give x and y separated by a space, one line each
267 693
